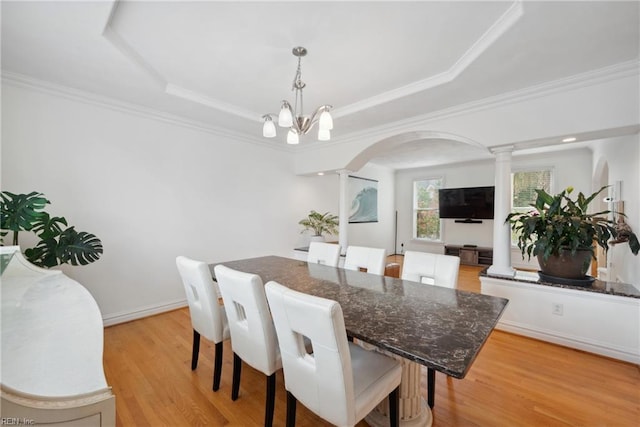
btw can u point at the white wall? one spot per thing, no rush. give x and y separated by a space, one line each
472 174
377 234
622 155
570 168
151 190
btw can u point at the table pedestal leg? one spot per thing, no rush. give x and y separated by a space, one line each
413 408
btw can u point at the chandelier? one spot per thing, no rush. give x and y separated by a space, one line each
294 118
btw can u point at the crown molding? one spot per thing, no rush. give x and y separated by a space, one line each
497 29
22 81
199 98
169 88
578 81
502 25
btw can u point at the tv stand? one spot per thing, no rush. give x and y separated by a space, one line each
468 221
470 255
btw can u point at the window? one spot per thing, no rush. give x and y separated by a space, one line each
426 215
523 186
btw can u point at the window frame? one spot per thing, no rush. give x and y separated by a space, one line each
551 171
415 209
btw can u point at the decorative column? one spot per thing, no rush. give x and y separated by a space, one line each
502 205
344 211
414 411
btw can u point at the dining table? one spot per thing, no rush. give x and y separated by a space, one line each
440 328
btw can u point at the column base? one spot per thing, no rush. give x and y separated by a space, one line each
494 270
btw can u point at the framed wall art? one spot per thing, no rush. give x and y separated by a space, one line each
363 198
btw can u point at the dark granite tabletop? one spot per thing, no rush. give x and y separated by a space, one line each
598 286
441 328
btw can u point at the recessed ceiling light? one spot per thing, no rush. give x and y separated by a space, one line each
320 173
570 139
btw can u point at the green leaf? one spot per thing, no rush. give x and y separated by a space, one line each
20 212
47 227
78 248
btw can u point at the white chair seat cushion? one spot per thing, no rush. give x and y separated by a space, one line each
371 368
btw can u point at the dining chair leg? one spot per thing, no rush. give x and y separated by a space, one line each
431 387
195 350
271 400
235 384
217 366
394 407
291 410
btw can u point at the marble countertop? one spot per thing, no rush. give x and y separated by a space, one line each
598 286
51 335
440 328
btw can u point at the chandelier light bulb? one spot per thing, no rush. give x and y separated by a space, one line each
269 128
326 121
292 137
324 134
285 118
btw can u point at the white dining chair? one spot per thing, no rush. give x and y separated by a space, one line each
339 381
207 316
253 336
324 253
373 260
430 268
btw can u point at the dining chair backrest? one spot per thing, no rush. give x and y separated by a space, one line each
253 336
207 316
327 380
430 268
373 260
322 381
324 253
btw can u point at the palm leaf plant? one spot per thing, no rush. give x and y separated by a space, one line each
320 223
58 243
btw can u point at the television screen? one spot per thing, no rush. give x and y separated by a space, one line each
466 203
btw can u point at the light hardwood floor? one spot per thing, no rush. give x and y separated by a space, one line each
515 381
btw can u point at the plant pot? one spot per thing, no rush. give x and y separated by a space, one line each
317 239
567 265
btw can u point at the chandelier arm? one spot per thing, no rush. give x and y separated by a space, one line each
315 117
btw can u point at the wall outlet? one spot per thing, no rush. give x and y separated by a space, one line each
556 309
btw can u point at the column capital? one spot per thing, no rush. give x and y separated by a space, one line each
343 172
502 149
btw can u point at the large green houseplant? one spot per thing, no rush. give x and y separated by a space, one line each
320 223
561 233
58 243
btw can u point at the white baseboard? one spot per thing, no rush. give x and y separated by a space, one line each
567 341
127 316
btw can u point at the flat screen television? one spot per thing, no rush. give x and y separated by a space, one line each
466 203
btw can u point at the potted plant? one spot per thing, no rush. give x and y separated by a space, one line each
319 224
561 233
58 244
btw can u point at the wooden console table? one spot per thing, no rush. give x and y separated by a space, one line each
470 255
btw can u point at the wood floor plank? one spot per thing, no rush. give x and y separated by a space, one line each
515 381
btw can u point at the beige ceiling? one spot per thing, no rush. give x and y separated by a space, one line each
224 64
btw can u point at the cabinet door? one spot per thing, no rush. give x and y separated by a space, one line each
468 256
